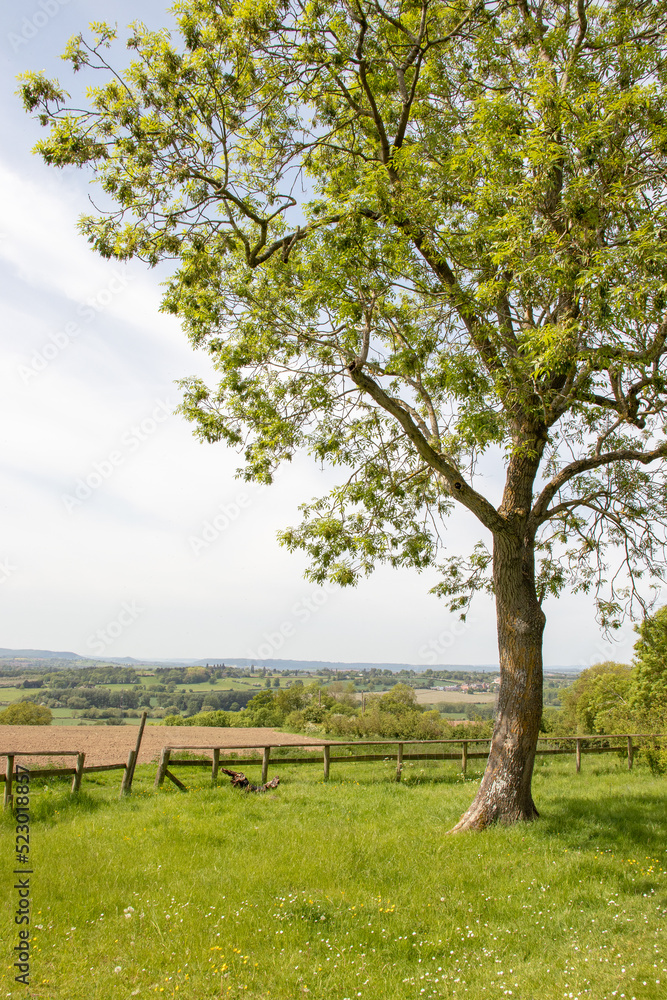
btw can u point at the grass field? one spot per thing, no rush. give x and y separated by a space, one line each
10 694
72 717
429 696
344 890
224 684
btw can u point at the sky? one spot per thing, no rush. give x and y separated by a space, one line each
122 535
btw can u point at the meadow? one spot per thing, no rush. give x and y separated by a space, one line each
344 890
67 716
226 683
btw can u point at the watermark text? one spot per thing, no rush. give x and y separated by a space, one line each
23 871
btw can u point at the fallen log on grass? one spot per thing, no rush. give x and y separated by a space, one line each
239 780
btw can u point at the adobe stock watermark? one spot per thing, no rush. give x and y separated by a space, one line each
23 871
605 651
211 529
34 23
61 340
7 569
130 443
101 638
302 611
226 514
431 650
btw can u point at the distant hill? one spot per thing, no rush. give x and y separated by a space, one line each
236 661
37 654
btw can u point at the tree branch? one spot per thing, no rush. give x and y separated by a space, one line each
468 497
540 513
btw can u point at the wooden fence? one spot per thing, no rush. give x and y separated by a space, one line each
547 745
77 772
577 745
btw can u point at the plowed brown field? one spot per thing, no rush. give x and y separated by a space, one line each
111 744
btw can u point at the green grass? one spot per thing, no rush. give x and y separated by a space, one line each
10 694
345 890
225 683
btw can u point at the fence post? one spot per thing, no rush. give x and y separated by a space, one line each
126 783
631 753
128 774
162 767
78 774
215 766
326 762
464 756
578 752
8 782
137 746
399 762
265 764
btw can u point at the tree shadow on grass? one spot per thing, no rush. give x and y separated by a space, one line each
607 822
61 805
409 779
56 803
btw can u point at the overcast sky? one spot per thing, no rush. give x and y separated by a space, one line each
121 534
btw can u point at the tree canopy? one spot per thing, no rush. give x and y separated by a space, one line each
650 665
616 697
409 233
25 713
599 701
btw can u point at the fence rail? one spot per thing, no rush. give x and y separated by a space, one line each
555 745
580 745
77 772
10 773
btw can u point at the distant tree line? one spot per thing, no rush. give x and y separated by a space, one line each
612 697
94 697
187 675
334 710
73 678
81 698
191 702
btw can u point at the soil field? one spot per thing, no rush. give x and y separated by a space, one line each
111 744
429 696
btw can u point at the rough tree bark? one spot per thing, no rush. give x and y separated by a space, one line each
504 794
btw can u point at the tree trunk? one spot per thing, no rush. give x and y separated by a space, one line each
504 794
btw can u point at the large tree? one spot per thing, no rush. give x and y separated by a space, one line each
409 232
